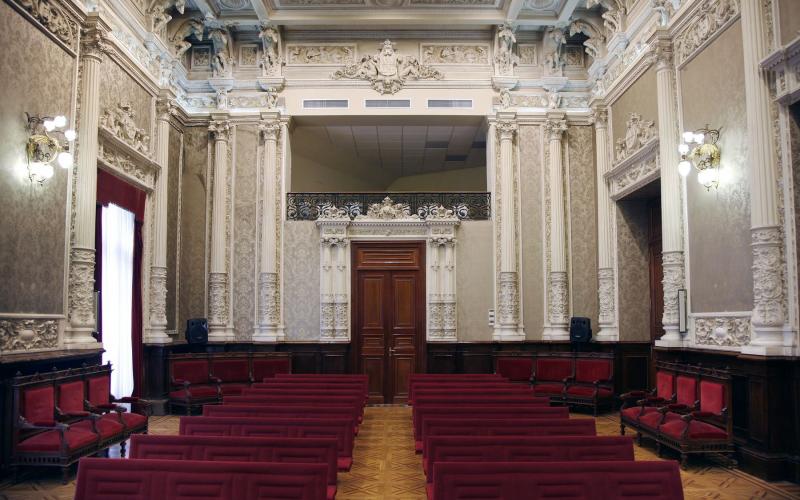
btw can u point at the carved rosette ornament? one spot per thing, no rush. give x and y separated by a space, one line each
81 289
158 297
27 334
767 279
673 280
606 295
722 332
218 299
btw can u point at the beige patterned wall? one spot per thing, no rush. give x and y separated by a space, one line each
474 278
32 267
634 271
301 280
582 185
245 201
117 86
530 149
194 192
794 136
638 98
789 19
717 98
173 223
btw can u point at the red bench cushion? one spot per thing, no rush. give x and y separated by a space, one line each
106 427
583 390
50 441
697 430
196 391
686 390
548 388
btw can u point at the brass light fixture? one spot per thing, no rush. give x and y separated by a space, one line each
44 146
700 148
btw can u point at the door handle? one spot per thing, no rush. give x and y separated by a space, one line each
391 351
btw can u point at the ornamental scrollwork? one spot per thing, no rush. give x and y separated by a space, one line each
121 122
638 132
26 334
52 16
722 331
713 15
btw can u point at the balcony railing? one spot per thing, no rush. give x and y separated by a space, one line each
466 206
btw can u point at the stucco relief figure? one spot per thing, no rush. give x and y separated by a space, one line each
664 8
504 56
222 60
553 43
505 99
596 41
271 60
614 13
160 12
189 29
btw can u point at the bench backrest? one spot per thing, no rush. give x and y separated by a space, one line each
487 386
232 369
516 369
269 426
322 376
244 406
237 449
554 369
578 480
178 479
320 395
263 368
422 413
471 390
526 449
480 400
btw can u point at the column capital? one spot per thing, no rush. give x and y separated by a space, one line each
600 117
506 129
220 129
270 129
165 108
555 128
662 51
94 40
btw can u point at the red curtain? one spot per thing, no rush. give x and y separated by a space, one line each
111 189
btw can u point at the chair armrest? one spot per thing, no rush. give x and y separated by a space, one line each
678 408
603 381
569 379
633 395
214 379
41 424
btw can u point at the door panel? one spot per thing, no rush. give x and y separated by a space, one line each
372 287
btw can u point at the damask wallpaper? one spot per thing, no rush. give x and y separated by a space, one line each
245 203
794 136
301 280
173 223
582 185
634 270
474 278
32 266
530 147
789 19
717 98
118 87
194 192
638 98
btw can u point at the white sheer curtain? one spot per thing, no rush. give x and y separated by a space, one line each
117 296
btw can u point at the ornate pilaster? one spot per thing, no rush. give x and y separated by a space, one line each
156 331
558 292
334 319
219 321
442 298
605 236
508 319
269 328
82 321
671 192
767 239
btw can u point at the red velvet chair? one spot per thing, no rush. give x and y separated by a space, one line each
39 438
593 383
636 404
100 401
515 369
232 373
269 367
706 429
550 374
71 408
686 393
192 383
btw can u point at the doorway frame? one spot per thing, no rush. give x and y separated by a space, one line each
421 337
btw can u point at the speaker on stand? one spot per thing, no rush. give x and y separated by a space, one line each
197 331
580 332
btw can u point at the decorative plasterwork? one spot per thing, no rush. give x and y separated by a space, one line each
120 122
191 28
785 64
126 159
160 12
767 277
638 133
53 16
26 334
528 54
504 57
710 19
320 54
310 4
636 170
595 44
387 71
271 61
722 331
458 53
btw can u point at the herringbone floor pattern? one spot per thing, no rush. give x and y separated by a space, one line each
386 467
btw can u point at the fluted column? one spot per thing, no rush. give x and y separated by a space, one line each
558 303
768 312
269 327
82 321
156 331
605 236
672 257
507 320
219 327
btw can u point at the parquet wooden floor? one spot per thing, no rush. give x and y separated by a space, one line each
386 467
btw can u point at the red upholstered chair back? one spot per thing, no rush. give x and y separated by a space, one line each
231 370
71 397
38 404
712 397
99 389
194 371
268 367
515 369
686 390
665 384
555 369
591 370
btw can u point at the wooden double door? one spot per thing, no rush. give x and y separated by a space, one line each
388 316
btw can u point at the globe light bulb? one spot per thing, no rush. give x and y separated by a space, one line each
64 159
47 171
683 148
70 134
60 121
49 125
698 138
684 167
688 137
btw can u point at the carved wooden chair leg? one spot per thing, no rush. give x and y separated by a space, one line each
658 449
621 429
639 438
684 460
65 474
122 447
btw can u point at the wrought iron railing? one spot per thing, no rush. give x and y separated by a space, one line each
466 206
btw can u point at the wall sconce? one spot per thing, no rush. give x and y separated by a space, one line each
44 147
700 148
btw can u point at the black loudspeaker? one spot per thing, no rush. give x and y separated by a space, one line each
580 330
197 331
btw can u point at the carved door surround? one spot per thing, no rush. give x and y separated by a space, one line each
387 221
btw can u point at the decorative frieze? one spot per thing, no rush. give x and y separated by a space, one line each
387 71
528 54
248 56
191 28
320 55
673 280
158 297
121 122
439 53
722 331
628 176
638 133
26 334
711 18
201 58
53 16
767 277
271 43
81 290
141 170
606 293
